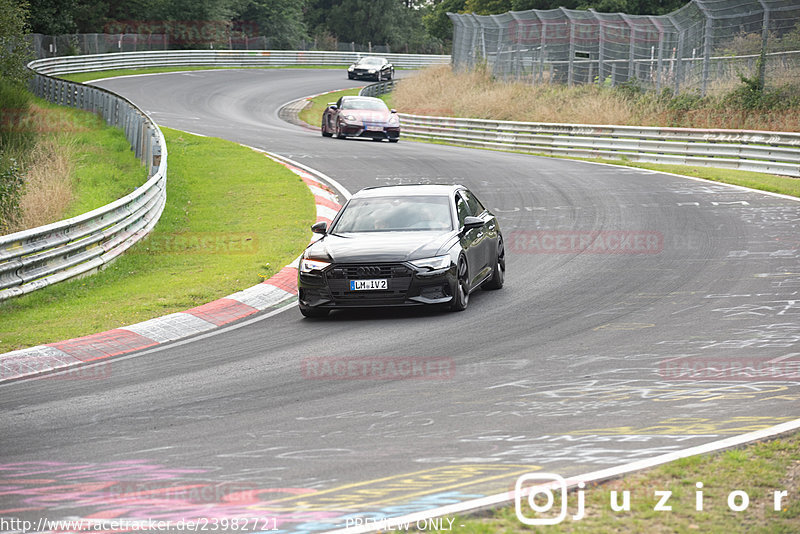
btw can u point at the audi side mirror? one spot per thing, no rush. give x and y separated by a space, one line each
472 222
320 227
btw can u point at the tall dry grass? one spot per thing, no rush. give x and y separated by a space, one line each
440 91
48 190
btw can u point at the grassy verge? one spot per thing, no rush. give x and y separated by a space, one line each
233 217
77 163
99 75
106 168
759 470
438 90
754 180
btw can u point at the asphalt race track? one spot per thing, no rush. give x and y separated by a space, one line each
568 369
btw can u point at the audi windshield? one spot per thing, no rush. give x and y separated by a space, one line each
387 214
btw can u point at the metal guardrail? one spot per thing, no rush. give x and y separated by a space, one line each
766 152
35 258
758 151
377 89
221 58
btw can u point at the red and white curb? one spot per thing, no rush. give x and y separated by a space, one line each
273 293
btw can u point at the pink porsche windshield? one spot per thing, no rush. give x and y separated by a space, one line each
364 103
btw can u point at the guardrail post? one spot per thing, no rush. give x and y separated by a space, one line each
156 161
148 144
139 137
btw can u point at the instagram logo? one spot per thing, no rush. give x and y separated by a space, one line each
525 498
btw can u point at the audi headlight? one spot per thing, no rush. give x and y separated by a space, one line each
372 71
393 119
351 68
433 264
308 265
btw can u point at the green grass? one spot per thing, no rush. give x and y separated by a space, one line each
312 114
99 75
387 97
759 469
105 166
255 212
755 180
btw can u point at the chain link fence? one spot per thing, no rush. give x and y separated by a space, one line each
704 45
45 46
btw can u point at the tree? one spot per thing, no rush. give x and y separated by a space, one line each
436 21
279 20
524 5
187 23
365 21
90 16
487 7
53 17
413 34
14 50
630 7
14 103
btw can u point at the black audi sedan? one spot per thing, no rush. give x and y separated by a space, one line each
405 245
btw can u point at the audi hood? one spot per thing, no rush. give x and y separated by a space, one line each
379 246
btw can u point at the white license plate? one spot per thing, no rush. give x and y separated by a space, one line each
374 128
368 285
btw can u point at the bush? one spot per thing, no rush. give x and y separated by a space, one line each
11 182
16 139
15 103
753 95
15 51
630 88
684 102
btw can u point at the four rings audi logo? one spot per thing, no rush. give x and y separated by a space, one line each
368 270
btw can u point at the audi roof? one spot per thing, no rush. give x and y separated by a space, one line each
408 190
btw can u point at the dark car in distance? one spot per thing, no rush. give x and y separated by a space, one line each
360 116
371 68
405 245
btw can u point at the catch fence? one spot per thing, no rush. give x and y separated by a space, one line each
706 42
